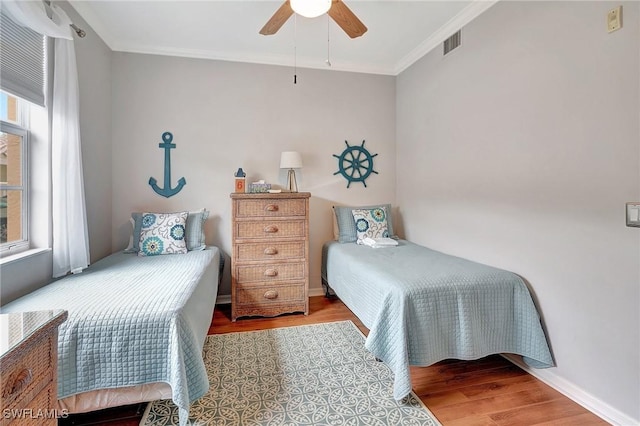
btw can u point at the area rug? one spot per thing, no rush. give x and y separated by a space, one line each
317 374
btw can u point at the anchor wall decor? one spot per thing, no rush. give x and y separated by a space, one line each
167 191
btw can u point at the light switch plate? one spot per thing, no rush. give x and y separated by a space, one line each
633 214
614 19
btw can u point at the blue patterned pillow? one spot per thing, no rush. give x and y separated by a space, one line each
195 236
162 233
370 223
347 225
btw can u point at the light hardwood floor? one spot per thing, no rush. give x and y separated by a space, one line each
486 392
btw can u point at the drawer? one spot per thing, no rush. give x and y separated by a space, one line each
41 412
29 375
271 229
270 208
270 251
270 272
267 294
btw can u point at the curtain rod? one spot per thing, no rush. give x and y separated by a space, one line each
79 31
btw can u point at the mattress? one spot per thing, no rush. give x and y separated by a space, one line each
106 398
133 320
422 306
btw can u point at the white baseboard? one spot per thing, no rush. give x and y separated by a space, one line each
568 389
579 395
317 291
225 299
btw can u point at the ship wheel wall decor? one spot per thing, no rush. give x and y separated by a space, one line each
355 163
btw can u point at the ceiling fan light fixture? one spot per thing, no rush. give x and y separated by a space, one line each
310 8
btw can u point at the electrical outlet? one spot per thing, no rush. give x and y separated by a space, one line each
614 19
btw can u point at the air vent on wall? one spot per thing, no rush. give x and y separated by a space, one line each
452 42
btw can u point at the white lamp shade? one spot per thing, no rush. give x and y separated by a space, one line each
310 8
290 160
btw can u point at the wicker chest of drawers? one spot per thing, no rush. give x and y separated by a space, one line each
29 365
270 255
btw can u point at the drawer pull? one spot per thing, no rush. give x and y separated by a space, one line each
21 381
271 251
271 229
271 294
271 208
270 273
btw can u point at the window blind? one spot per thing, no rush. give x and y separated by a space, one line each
22 61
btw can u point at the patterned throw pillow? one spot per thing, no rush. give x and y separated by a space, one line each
194 231
347 226
370 223
163 233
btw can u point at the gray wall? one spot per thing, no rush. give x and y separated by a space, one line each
519 150
225 115
94 75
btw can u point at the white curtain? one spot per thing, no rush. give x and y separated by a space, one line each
70 233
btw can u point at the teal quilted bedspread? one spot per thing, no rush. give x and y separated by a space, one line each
133 320
422 306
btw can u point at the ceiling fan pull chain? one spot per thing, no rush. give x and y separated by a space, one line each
295 46
328 44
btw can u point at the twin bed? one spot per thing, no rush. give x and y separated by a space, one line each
135 330
422 306
137 324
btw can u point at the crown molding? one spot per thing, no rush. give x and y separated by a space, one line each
279 60
468 14
476 8
85 10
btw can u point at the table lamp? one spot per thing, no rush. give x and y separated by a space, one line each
291 160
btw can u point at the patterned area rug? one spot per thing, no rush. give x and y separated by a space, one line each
306 375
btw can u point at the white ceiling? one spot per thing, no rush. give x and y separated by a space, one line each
400 32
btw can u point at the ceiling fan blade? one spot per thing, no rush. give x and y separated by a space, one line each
346 19
278 19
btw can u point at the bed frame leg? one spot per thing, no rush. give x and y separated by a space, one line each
328 291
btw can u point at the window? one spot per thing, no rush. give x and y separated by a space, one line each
14 196
22 61
25 168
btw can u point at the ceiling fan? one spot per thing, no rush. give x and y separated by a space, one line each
337 10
